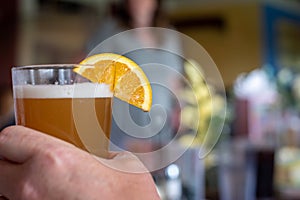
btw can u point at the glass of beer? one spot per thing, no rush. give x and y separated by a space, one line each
55 100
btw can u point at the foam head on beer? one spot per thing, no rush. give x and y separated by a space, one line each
80 90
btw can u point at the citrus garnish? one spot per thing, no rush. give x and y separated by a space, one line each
126 79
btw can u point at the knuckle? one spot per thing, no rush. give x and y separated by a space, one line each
27 190
56 156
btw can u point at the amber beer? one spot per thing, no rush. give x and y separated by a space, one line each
77 113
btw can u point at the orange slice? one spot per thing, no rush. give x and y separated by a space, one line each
126 79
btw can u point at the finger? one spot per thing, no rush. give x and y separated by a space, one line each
124 162
8 178
18 143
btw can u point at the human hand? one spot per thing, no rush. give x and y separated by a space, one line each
37 166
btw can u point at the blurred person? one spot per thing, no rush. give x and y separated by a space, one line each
38 166
154 51
6 106
129 14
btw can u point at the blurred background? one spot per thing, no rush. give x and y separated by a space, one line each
256 47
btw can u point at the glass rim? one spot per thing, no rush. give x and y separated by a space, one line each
48 66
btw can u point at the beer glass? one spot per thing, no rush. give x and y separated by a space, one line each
55 100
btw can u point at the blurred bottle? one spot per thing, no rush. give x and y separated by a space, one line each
173 185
